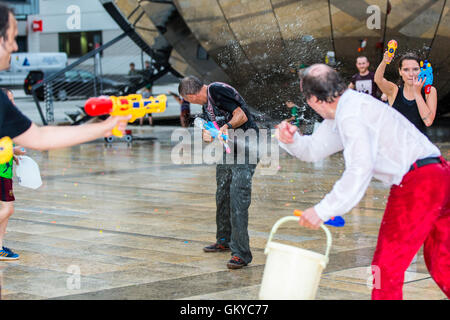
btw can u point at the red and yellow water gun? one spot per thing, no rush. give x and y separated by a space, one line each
133 104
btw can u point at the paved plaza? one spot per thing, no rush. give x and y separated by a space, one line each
122 221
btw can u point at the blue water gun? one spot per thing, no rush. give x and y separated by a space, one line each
335 221
213 130
426 71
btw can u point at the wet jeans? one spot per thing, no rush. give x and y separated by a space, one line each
233 198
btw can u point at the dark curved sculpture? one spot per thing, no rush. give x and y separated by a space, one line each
258 45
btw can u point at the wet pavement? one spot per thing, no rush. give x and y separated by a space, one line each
122 221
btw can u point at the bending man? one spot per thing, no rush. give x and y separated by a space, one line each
222 103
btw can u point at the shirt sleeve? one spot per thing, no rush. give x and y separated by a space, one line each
224 98
323 142
13 122
359 155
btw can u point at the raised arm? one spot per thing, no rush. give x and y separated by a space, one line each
388 88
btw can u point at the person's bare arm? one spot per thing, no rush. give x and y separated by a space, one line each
239 118
53 137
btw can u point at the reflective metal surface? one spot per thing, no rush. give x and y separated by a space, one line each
258 45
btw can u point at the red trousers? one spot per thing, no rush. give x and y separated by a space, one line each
417 213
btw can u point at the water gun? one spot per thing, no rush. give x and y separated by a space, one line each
334 221
392 46
133 104
213 129
426 71
6 149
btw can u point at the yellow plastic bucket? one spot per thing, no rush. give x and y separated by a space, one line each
292 273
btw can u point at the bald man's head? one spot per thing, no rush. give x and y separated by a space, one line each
323 82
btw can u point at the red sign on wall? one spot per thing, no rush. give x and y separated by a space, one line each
37 26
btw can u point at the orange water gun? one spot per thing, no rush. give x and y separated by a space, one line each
392 46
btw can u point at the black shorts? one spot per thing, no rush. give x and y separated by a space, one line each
6 190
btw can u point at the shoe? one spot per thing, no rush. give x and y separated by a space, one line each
236 263
216 248
6 254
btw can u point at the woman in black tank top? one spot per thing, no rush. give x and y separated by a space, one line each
409 109
409 98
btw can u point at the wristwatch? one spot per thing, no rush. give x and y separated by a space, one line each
229 125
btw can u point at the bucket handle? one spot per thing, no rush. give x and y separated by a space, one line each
291 218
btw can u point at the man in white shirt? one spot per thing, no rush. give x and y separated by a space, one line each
377 141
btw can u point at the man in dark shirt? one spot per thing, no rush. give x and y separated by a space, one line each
363 81
225 106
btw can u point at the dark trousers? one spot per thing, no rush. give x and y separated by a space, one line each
233 198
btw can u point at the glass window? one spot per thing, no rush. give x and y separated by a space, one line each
77 44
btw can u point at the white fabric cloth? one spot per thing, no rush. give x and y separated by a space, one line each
377 141
28 174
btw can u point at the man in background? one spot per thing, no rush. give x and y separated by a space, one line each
363 81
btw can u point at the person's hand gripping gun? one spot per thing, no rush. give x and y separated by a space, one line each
334 221
213 130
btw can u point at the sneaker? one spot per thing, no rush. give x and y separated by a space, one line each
236 263
7 254
216 248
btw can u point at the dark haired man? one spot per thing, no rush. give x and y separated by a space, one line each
223 104
378 142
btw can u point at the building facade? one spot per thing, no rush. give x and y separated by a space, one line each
77 27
